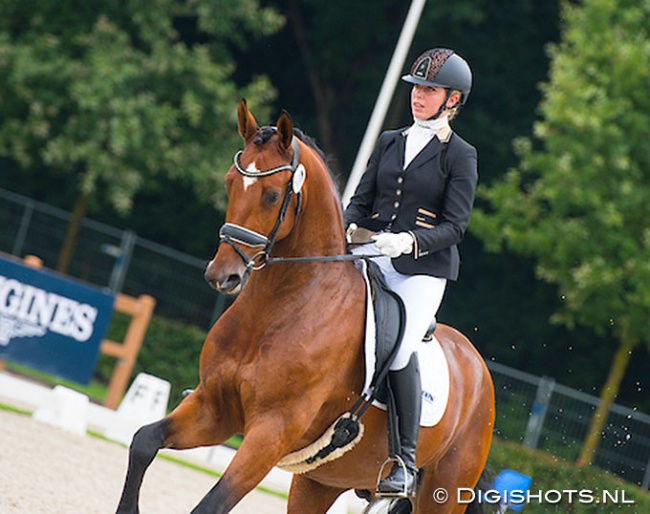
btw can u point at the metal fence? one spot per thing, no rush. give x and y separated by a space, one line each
117 260
535 411
542 414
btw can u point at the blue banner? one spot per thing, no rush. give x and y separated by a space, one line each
51 323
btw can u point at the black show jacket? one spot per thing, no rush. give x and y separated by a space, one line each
432 199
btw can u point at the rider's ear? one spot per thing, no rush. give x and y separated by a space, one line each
247 125
285 130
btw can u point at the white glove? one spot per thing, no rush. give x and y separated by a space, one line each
394 245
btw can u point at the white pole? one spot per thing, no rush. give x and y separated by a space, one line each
384 98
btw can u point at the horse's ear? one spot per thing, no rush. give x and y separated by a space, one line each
285 129
247 124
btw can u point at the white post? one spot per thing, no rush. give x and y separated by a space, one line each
146 401
385 95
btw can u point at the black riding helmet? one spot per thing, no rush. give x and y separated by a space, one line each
442 67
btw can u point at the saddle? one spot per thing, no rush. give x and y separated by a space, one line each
388 307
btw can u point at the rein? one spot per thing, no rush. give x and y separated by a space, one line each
326 258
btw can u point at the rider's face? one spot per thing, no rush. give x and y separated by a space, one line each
426 101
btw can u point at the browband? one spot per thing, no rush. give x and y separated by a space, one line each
283 167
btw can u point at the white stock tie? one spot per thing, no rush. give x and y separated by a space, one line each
419 134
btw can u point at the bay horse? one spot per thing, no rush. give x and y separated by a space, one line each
285 359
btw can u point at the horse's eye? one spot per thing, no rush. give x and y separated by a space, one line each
271 197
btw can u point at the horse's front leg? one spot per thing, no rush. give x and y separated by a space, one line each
263 446
144 447
190 425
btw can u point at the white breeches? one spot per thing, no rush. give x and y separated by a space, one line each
422 296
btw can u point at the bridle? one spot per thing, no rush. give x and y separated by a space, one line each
236 235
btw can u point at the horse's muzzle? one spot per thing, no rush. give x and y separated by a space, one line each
226 280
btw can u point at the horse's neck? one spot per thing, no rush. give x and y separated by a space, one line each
319 231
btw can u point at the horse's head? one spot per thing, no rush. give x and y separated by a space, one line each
264 188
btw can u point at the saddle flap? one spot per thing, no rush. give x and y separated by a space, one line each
389 319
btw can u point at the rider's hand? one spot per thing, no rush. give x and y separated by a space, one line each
394 245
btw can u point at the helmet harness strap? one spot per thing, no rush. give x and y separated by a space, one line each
443 106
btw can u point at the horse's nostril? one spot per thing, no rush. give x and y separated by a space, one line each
229 285
232 282
225 279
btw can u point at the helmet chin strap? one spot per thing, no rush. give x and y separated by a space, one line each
443 106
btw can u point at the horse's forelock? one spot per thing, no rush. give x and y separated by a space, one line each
264 135
267 132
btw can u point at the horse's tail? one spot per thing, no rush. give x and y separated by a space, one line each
484 484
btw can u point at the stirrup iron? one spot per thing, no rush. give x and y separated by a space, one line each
402 494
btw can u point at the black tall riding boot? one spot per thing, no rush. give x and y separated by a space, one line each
407 392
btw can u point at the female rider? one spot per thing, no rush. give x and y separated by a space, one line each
416 196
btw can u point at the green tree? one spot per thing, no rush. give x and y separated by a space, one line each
123 93
339 54
579 201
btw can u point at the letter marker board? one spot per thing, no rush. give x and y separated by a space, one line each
51 323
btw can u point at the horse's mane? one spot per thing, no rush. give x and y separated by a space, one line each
268 131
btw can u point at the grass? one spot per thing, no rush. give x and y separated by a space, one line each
215 474
95 391
553 473
9 408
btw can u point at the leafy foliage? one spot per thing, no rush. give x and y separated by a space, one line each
579 200
329 84
111 92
